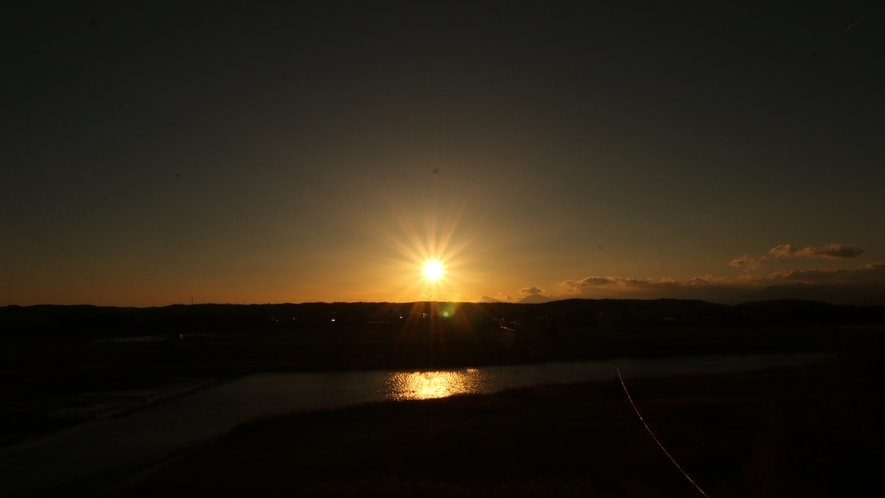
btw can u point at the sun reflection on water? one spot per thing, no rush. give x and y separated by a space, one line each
427 385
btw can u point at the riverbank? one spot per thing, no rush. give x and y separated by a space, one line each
802 431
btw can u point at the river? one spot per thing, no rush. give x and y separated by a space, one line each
107 454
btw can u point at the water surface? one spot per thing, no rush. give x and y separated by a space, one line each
112 451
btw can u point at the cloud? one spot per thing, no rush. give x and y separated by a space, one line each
739 262
834 251
829 251
589 281
722 289
748 262
782 251
871 273
530 290
602 282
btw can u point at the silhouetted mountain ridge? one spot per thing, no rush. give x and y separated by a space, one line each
869 295
535 299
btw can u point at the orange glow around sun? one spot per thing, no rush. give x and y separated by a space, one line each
430 255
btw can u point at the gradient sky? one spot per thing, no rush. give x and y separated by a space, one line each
261 152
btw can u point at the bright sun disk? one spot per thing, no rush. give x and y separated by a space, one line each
433 270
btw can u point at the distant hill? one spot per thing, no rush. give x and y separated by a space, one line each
535 299
831 294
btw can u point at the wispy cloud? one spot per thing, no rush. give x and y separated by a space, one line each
829 251
588 283
866 274
530 290
747 262
722 288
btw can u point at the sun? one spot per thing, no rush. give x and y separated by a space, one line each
433 270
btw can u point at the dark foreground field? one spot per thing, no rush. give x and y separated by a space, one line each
810 431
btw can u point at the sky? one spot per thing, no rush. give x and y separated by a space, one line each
155 153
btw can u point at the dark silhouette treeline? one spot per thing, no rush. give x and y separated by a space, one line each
574 316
